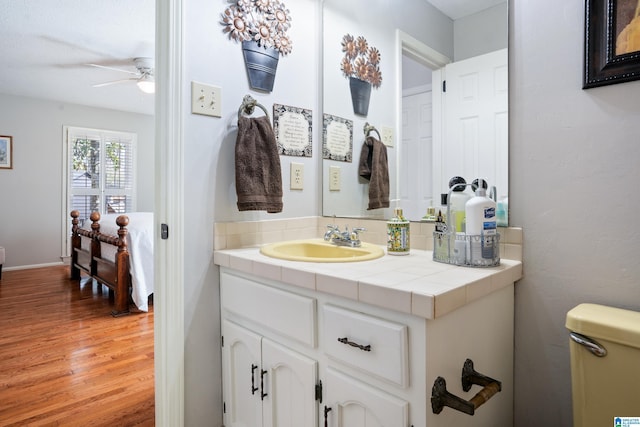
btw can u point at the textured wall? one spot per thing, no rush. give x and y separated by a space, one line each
573 175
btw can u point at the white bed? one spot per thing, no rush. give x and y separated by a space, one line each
140 245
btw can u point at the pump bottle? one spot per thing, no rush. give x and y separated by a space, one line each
398 229
481 228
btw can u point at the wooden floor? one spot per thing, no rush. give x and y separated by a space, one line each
64 360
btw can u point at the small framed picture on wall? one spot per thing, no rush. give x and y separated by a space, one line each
6 152
611 42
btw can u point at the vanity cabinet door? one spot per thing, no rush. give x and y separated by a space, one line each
352 403
264 383
241 355
290 381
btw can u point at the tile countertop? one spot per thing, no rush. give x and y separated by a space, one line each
413 284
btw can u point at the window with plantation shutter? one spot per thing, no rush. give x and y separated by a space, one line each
100 172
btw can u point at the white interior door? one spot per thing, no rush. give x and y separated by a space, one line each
475 121
415 187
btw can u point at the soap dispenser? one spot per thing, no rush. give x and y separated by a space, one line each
398 231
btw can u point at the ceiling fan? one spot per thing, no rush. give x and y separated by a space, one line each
143 76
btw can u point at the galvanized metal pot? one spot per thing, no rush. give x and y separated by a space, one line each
261 64
360 95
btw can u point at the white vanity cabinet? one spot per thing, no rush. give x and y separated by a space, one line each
265 383
329 361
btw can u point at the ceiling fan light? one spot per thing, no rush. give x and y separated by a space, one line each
147 86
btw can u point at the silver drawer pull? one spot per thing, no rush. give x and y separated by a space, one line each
346 341
590 344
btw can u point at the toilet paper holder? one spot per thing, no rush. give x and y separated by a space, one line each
440 397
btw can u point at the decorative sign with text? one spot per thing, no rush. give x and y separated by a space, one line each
293 127
337 138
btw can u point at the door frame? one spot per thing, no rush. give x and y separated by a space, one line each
169 203
431 58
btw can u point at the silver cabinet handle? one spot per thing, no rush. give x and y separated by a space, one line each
346 341
590 344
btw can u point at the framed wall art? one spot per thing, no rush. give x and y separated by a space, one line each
6 152
337 138
293 127
612 42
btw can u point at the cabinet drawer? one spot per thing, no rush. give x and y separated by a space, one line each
285 313
367 343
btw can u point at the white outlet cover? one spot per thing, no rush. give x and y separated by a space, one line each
297 176
334 178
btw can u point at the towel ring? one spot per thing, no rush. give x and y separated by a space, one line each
248 106
369 128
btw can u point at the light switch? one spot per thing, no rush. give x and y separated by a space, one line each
206 99
387 136
334 178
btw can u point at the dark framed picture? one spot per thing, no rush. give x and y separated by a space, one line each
6 152
612 42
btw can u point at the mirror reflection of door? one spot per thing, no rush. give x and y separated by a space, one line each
473 116
475 121
416 147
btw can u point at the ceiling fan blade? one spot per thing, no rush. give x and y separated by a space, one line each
113 69
114 82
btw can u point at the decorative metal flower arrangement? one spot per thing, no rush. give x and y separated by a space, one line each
263 21
361 60
361 65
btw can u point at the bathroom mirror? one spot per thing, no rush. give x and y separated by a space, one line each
430 135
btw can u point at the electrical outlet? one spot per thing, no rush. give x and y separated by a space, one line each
206 99
334 178
297 176
387 136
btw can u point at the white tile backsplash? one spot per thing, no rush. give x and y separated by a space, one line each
247 234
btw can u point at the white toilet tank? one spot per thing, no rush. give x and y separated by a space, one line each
605 365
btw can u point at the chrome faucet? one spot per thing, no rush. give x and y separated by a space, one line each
344 238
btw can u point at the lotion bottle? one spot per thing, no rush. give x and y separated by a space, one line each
481 228
398 231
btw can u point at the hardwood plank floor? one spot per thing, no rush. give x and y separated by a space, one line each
64 360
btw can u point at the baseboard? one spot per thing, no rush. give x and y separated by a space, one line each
28 267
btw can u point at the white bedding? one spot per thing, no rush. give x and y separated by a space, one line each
140 246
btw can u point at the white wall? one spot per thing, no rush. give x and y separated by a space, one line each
481 33
31 193
574 183
210 57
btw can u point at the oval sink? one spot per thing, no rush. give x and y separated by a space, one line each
318 250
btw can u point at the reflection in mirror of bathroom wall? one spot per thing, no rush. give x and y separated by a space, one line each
379 23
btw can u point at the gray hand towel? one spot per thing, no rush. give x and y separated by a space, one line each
258 176
374 167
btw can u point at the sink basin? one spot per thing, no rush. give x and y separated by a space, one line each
318 250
